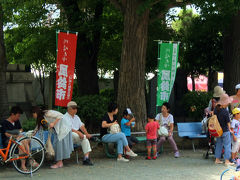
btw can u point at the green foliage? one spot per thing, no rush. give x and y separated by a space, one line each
108 93
92 108
201 43
112 22
29 124
195 102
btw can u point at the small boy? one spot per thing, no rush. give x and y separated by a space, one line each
127 122
235 125
151 131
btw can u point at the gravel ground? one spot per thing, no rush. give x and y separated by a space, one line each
190 166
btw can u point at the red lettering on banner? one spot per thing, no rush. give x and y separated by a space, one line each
67 43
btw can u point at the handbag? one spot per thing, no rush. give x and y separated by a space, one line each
49 147
115 128
162 131
214 127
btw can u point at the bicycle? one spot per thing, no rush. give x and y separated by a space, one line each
232 173
34 157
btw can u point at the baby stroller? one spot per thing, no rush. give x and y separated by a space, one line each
210 138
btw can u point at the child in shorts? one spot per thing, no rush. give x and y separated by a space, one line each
235 126
151 131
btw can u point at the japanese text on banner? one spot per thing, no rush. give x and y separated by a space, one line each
67 43
167 66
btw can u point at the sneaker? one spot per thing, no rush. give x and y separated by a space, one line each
148 158
177 155
122 159
131 153
154 158
87 162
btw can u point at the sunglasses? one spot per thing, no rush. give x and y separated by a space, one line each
74 107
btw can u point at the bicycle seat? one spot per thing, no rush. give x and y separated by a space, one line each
13 132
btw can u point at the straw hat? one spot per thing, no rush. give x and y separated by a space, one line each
225 99
218 91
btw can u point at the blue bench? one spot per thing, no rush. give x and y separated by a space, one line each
191 130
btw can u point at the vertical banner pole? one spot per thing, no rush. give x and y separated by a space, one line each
57 31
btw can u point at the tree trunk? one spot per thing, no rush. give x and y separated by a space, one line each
232 56
86 69
193 82
4 106
179 89
87 45
131 87
212 79
115 83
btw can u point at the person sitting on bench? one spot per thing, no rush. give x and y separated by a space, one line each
109 120
166 119
127 122
79 138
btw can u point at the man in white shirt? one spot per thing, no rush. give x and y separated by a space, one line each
79 137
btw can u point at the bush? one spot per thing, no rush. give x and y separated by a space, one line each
92 108
195 102
108 93
29 124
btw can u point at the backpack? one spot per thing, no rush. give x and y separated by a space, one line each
214 127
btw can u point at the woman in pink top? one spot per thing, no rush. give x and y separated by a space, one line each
151 131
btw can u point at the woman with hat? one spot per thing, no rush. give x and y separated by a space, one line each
217 92
225 140
236 98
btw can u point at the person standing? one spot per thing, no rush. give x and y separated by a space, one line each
225 140
62 144
151 132
236 98
217 92
235 127
80 134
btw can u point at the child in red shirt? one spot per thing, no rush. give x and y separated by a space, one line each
151 131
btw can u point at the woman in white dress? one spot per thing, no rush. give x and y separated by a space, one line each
62 144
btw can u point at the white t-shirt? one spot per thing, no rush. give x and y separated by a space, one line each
236 127
75 121
166 121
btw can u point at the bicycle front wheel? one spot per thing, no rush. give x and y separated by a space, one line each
33 160
228 174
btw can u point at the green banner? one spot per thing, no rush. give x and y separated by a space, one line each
167 66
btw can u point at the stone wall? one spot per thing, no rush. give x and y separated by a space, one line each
19 88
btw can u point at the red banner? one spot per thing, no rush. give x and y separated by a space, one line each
67 43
